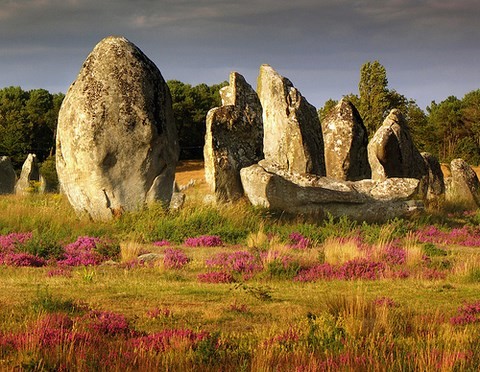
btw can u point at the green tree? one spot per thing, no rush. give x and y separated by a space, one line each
324 111
375 100
15 127
190 106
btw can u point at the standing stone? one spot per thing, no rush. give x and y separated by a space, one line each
434 178
392 153
346 139
30 173
234 138
7 176
116 139
463 186
292 132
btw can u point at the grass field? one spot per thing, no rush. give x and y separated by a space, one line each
235 288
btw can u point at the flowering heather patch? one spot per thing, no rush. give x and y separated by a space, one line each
162 243
204 241
358 268
285 339
384 301
433 274
175 259
9 242
82 252
361 268
106 323
298 241
239 261
168 339
395 255
23 259
159 313
467 314
216 277
60 271
466 236
314 273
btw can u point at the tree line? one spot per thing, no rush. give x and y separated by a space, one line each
448 129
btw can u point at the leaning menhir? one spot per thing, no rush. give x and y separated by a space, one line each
234 138
117 145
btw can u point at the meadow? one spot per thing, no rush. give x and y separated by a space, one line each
236 288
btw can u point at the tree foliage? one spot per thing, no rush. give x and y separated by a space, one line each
190 107
27 122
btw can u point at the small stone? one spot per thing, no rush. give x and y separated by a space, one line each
463 187
29 176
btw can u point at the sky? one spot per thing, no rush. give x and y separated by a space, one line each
430 49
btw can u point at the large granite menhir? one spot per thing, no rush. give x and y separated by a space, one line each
292 131
234 138
117 145
346 139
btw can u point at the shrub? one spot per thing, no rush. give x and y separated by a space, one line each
204 241
216 277
175 259
239 262
467 314
88 251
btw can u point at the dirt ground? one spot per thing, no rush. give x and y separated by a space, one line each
188 170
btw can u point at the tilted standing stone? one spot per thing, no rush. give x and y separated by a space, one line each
30 173
116 139
292 132
392 153
234 138
346 139
7 176
463 185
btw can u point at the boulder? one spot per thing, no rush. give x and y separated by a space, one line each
292 132
345 139
435 180
29 175
117 144
234 138
392 153
7 176
268 186
463 186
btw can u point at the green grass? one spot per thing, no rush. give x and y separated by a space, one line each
267 322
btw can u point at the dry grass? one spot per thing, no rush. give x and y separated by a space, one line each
130 250
338 251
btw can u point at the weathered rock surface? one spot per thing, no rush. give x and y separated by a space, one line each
391 151
30 173
435 180
463 185
292 131
234 138
7 176
116 139
268 186
345 139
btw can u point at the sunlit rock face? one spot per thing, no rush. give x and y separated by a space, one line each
117 144
345 139
292 131
234 138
